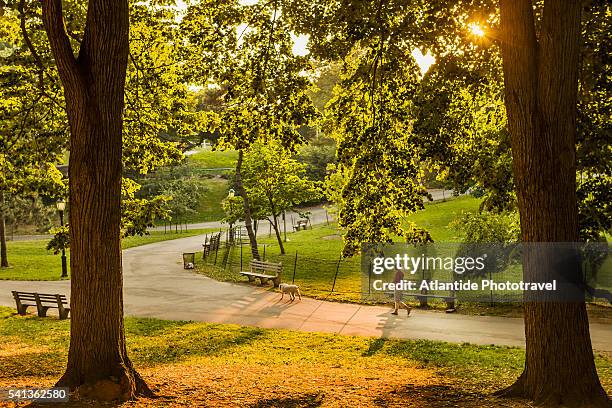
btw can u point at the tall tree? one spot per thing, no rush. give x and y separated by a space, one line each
541 66
32 129
264 87
540 43
93 85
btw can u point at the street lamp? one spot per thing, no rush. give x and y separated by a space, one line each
61 206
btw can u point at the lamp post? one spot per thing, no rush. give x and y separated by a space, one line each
61 206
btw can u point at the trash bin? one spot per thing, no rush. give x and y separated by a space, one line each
189 260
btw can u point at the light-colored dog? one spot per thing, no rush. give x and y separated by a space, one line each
292 290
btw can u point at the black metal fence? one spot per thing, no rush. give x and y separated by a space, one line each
347 278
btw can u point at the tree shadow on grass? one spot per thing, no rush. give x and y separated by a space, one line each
148 327
375 347
300 401
32 364
180 343
442 396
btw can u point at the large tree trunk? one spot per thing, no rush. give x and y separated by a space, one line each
540 96
3 256
248 220
98 364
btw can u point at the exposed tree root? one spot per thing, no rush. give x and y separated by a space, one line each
128 385
545 395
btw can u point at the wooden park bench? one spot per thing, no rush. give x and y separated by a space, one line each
264 271
300 224
209 246
42 301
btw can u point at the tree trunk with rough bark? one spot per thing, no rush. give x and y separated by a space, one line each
278 234
98 364
248 220
540 75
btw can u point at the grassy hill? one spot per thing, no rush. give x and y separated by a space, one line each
208 159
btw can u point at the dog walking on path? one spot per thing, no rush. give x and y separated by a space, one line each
292 290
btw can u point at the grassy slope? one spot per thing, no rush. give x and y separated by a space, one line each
341 368
29 260
208 159
318 252
209 207
205 161
436 217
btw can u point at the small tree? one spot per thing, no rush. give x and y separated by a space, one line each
275 183
264 87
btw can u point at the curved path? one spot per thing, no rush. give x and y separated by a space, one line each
156 285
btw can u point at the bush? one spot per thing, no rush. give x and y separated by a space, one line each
488 227
498 233
316 158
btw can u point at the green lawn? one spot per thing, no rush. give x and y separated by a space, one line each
206 163
209 159
33 351
209 207
29 260
318 254
437 216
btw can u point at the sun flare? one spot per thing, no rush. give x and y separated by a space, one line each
476 29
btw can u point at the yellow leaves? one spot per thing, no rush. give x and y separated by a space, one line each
129 187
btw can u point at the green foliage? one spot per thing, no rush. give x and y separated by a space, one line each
317 157
497 232
137 214
159 112
461 127
274 181
450 120
31 210
32 131
233 207
487 227
462 122
181 190
263 86
369 117
60 241
594 144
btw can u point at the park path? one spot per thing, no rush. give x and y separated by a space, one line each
318 215
156 285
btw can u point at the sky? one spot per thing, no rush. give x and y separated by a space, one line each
423 61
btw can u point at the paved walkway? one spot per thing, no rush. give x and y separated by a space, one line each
156 285
318 215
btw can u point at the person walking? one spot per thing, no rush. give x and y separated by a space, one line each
398 293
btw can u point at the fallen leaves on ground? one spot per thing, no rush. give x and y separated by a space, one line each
296 385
